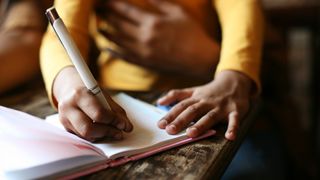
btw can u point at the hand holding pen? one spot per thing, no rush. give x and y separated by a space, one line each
82 106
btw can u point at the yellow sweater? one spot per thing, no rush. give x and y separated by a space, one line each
241 24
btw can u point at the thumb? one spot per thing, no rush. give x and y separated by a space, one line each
164 6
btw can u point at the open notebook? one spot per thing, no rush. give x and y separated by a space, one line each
32 148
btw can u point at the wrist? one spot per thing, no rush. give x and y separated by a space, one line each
65 82
236 80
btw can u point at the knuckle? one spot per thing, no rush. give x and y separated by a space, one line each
180 121
183 104
64 121
211 115
236 114
168 117
194 108
63 106
173 92
238 109
98 114
77 93
122 111
218 109
200 127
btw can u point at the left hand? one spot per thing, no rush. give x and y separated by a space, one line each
225 99
166 40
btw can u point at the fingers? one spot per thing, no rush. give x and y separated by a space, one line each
133 51
173 114
174 96
82 113
165 6
129 11
205 123
93 109
121 114
77 121
124 27
233 125
183 120
119 39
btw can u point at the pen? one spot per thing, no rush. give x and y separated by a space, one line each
75 56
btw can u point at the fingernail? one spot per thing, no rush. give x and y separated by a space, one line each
172 128
118 136
230 135
192 131
159 100
121 125
163 123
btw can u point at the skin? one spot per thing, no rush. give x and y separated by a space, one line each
168 41
81 113
225 99
141 34
21 31
144 38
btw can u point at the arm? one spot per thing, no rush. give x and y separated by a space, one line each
168 41
78 108
227 97
21 31
242 37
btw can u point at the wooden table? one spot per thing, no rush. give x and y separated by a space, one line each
205 159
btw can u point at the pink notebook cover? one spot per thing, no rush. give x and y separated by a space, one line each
124 160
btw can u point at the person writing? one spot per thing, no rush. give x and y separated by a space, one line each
158 45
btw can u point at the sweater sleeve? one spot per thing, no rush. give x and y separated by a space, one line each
242 36
53 58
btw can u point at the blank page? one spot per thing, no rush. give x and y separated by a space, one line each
145 135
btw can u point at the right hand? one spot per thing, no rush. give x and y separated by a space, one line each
81 113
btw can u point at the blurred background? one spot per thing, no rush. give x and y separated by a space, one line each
290 78
290 82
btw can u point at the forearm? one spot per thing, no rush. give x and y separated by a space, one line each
242 37
68 80
19 57
20 38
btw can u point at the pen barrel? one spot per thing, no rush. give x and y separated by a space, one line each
78 61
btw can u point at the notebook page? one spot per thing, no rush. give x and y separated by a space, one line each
146 132
27 141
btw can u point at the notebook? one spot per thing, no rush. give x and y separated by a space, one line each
31 148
